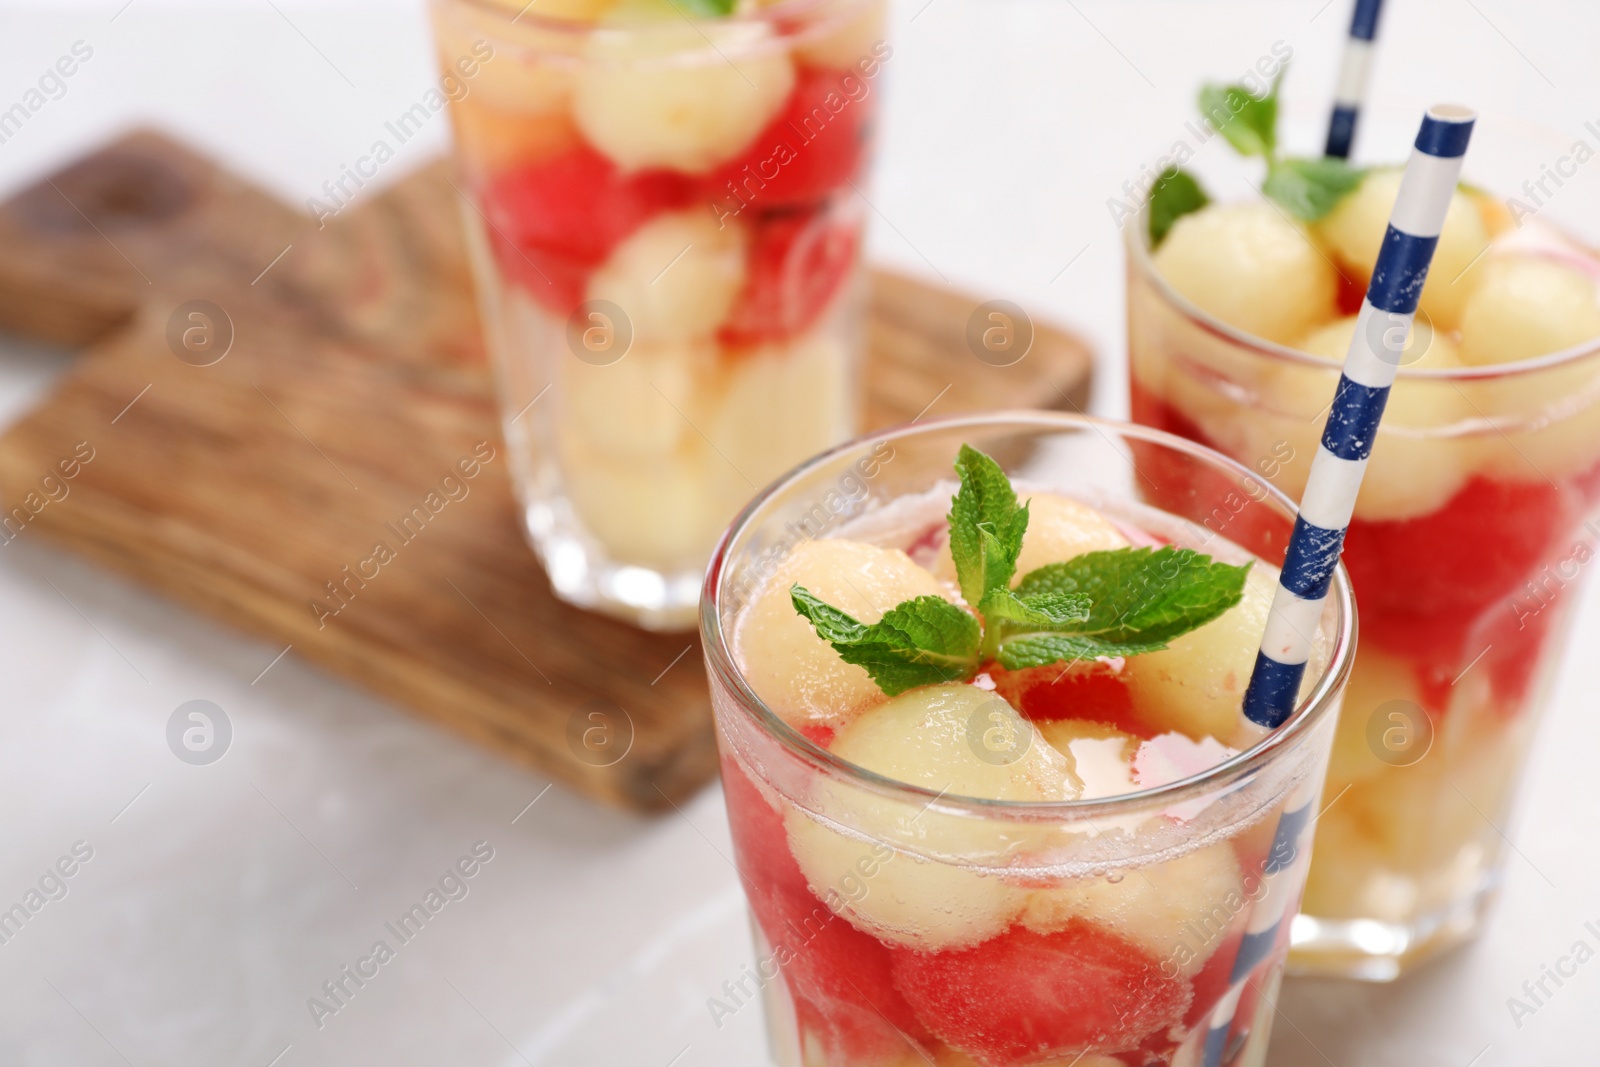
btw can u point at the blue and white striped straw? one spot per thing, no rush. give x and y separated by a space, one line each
1330 499
1352 78
1347 438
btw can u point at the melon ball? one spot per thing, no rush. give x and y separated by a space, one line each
1252 267
655 512
1414 469
1100 755
1195 686
1059 528
680 96
574 10
798 674
494 140
935 737
641 406
1377 679
676 277
529 77
782 403
1527 306
1353 232
1176 910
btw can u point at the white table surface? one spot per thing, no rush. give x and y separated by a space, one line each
219 898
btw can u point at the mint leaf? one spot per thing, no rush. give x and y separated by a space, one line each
1007 615
1175 194
1141 599
1310 188
986 526
923 641
1250 123
1042 650
710 9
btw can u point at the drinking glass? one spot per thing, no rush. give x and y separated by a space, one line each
1194 881
1466 552
662 213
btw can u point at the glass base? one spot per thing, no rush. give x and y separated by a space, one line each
582 574
1369 950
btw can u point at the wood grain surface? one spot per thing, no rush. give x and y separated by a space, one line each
353 384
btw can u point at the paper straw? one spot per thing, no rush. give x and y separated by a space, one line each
1329 501
1352 78
1347 438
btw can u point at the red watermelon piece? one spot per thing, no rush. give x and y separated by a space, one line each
1023 996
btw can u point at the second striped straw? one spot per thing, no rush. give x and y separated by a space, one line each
1329 500
1352 86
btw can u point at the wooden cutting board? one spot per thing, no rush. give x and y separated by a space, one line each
353 382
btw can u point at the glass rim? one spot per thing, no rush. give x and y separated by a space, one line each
1242 765
1136 239
777 12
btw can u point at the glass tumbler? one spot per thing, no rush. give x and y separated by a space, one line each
1466 551
661 207
1193 883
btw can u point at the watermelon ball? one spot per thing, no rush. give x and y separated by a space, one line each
811 148
759 844
1023 996
1483 544
823 958
552 222
797 262
1097 692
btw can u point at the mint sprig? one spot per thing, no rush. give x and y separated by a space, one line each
1122 602
1249 122
1308 189
986 526
1175 194
1141 597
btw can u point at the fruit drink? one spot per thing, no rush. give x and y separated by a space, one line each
1033 832
666 236
1471 531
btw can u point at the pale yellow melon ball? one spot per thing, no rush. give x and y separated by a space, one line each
676 277
1527 306
686 97
782 403
641 406
1252 267
1158 908
1195 686
798 674
1101 756
1415 468
925 737
1354 231
655 512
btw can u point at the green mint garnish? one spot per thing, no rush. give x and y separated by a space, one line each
709 9
986 526
1122 602
1308 189
1142 597
1250 123
1174 195
917 642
